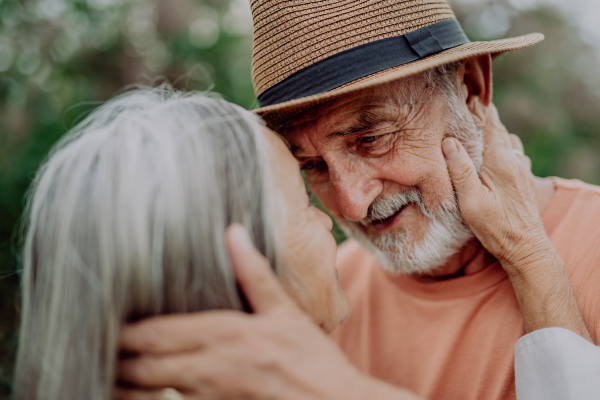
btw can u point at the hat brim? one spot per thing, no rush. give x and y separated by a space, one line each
278 113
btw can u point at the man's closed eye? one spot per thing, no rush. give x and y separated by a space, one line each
376 145
369 139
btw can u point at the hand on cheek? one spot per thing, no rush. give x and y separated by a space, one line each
501 209
499 205
277 352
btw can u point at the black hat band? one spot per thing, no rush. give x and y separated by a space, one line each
364 60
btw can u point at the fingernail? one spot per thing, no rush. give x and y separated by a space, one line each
241 237
449 148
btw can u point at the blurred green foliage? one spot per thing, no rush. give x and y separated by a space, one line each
60 58
548 94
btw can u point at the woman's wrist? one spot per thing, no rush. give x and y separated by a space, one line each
544 293
534 257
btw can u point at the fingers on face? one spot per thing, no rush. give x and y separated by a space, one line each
462 173
516 166
508 144
496 139
516 142
518 146
504 158
493 113
254 273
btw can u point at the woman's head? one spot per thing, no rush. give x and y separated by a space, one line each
308 248
127 219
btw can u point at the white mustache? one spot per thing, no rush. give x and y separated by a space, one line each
384 208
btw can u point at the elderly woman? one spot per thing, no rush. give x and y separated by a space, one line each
127 219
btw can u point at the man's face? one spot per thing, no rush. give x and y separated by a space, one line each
374 160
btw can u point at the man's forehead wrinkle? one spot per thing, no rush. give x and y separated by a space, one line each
416 115
360 121
315 114
362 116
348 114
416 150
308 143
312 131
410 94
345 105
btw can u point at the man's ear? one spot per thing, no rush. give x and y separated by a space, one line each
476 85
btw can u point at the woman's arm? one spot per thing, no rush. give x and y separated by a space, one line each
553 361
501 209
556 364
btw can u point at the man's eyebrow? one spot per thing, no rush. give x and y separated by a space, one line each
366 120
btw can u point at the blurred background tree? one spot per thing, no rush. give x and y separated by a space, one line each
61 58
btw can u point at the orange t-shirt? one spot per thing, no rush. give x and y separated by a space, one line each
454 339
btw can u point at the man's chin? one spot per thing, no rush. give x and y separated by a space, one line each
398 252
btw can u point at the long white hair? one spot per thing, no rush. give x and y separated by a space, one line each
126 219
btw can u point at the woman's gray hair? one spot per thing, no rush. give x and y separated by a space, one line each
127 219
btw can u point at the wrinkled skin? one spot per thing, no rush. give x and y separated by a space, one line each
303 226
278 352
501 222
501 209
377 143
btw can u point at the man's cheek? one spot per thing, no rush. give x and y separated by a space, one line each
437 187
407 171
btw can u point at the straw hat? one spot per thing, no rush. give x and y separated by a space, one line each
307 52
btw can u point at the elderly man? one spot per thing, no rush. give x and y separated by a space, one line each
366 92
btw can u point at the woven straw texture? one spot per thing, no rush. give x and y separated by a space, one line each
290 35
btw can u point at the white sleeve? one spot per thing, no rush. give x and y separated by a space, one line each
556 364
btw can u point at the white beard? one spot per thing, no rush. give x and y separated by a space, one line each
399 252
446 233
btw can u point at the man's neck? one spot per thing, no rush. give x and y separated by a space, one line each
473 257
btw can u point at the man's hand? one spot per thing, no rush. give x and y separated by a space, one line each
276 353
500 207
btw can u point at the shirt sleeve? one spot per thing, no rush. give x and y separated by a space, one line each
556 364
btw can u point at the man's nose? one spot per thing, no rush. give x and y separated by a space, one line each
355 188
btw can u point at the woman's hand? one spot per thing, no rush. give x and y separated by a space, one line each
500 207
276 353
